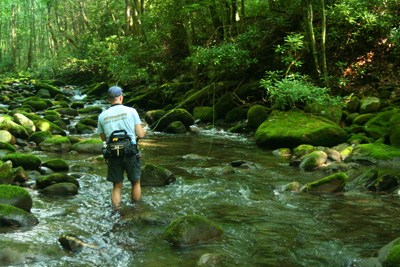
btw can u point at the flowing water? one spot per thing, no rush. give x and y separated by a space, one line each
262 225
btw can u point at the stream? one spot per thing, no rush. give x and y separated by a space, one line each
262 225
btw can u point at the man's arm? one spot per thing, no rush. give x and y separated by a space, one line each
103 137
140 133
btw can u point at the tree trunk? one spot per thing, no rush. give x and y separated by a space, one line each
83 13
323 52
310 29
32 35
50 26
128 17
13 38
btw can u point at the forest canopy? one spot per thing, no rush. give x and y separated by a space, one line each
139 42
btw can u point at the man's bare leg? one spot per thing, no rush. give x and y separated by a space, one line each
116 193
136 191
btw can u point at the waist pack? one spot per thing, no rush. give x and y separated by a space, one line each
119 144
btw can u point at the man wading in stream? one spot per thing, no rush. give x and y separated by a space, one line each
117 121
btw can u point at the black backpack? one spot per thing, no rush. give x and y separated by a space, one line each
119 144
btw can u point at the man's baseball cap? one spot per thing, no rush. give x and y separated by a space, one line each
115 91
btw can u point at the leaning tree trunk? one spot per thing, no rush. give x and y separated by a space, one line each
13 38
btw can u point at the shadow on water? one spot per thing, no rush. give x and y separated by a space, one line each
263 227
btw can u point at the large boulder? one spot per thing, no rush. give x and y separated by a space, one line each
15 196
191 230
26 161
13 216
378 154
89 146
153 175
52 89
333 183
55 178
56 144
174 115
293 128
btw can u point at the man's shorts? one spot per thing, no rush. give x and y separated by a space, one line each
117 166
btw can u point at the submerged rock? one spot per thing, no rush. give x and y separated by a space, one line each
153 175
73 243
60 189
191 230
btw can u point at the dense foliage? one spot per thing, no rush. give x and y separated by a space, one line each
155 42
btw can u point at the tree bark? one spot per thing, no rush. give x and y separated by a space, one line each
128 17
13 38
32 34
323 40
310 29
50 26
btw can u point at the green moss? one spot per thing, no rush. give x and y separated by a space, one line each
11 191
91 110
363 119
340 177
7 146
57 164
256 115
378 151
27 161
39 137
393 259
302 150
205 114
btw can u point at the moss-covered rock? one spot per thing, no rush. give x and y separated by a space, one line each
256 115
45 125
224 104
236 114
205 114
370 105
15 129
394 130
25 122
89 146
15 196
36 105
52 89
90 110
359 138
56 144
290 129
353 105
6 176
378 126
84 129
376 153
55 178
26 161
174 115
175 127
333 183
60 189
345 153
299 152
363 118
153 175
191 229
39 137
333 113
88 121
6 137
7 146
389 255
43 93
19 175
67 111
13 216
282 152
57 164
313 160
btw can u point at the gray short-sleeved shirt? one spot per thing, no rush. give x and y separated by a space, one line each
118 117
